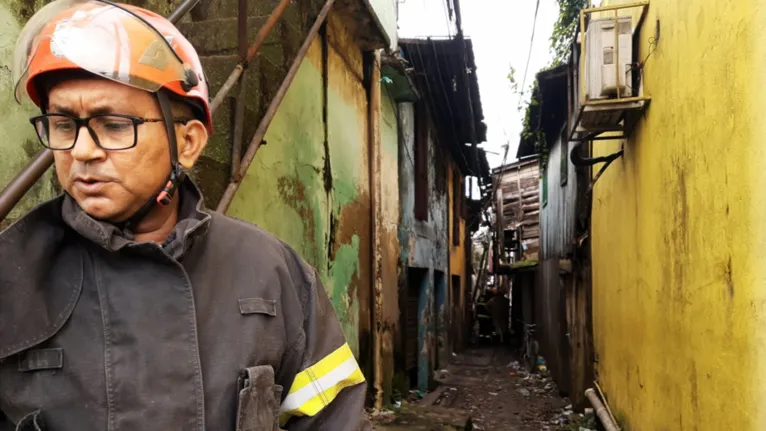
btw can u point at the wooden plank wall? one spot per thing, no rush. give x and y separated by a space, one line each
519 193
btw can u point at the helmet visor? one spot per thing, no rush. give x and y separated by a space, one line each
98 37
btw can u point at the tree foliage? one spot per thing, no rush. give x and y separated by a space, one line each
561 40
565 27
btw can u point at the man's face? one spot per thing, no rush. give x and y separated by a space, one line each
110 185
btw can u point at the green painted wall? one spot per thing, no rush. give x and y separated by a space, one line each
18 142
316 196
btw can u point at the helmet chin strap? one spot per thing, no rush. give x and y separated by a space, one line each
165 195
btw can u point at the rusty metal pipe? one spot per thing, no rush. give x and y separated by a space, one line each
264 31
242 29
182 10
227 86
260 38
263 126
20 185
374 162
239 112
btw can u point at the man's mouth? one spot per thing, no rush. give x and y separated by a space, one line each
89 185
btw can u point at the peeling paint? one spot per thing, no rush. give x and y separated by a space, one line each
309 185
424 244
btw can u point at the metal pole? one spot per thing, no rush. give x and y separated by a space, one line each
616 6
182 10
617 53
263 126
260 38
582 61
239 113
374 167
18 187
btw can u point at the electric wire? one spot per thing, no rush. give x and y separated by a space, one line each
529 55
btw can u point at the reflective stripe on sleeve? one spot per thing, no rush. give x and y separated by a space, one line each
317 386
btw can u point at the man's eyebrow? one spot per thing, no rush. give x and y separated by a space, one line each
56 109
99 110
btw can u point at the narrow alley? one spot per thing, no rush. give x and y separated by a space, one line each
486 388
435 214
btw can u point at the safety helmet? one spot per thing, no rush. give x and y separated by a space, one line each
124 43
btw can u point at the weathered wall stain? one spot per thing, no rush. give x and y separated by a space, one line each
330 230
388 324
423 244
678 232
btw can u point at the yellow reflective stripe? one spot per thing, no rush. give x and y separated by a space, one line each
317 386
324 366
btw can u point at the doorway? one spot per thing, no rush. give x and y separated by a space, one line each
456 318
413 325
440 320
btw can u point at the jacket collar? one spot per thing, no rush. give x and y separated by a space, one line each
193 221
41 273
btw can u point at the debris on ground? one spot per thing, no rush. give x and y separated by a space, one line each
489 389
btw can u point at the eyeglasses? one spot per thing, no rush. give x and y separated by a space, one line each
110 132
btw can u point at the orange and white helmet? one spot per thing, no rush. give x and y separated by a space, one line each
124 43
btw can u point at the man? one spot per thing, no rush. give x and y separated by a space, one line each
124 304
499 308
483 316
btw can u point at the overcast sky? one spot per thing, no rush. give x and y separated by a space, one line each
501 31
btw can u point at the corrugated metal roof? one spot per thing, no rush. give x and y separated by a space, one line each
550 110
445 73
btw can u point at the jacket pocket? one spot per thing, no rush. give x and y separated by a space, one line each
259 400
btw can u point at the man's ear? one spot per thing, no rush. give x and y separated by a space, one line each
192 139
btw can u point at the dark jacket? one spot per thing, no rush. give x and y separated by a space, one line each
222 328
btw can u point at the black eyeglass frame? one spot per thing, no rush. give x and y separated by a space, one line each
85 122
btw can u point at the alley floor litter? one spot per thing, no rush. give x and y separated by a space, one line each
486 389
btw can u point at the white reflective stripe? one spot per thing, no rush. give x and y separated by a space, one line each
316 387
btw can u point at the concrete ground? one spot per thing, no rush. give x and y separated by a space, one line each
485 389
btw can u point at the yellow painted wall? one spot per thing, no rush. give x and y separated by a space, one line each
678 238
457 257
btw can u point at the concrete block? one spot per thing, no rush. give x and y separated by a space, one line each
217 9
219 36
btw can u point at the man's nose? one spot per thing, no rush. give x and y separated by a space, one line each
85 147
